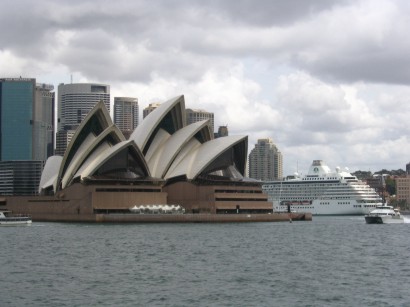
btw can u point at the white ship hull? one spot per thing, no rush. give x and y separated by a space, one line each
7 220
322 192
14 223
333 208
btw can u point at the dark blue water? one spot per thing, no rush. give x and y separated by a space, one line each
331 261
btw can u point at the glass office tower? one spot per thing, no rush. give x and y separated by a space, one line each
16 122
26 133
26 120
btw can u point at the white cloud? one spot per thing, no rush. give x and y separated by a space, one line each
11 65
325 79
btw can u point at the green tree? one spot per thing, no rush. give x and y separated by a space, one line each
362 175
390 185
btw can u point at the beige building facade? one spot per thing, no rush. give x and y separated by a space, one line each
265 161
403 189
196 115
151 107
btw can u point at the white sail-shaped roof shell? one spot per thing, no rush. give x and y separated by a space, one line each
174 107
200 157
50 173
92 158
112 135
92 165
157 144
189 147
160 161
95 122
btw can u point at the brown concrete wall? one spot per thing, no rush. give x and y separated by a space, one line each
203 197
191 197
72 204
77 202
126 200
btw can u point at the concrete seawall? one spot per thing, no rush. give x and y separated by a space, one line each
172 218
201 218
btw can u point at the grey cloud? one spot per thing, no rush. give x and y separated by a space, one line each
270 12
384 67
176 32
22 31
172 32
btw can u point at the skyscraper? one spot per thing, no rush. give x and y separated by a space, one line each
222 131
151 107
265 161
63 138
20 177
75 100
126 114
27 119
196 115
44 126
26 134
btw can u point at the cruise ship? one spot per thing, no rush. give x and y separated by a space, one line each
323 192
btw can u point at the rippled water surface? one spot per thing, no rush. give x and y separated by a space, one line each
331 261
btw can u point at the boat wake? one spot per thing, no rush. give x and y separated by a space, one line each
406 220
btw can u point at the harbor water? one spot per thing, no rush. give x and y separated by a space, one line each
330 261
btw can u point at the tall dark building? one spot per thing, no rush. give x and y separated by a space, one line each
26 134
20 177
27 119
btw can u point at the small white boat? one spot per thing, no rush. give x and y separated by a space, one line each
384 215
16 219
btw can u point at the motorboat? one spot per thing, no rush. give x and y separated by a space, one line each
6 218
384 215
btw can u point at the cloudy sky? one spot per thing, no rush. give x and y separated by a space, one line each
325 79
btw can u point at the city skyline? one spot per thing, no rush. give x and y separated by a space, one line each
324 79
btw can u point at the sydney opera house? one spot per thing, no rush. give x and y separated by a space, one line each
164 162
